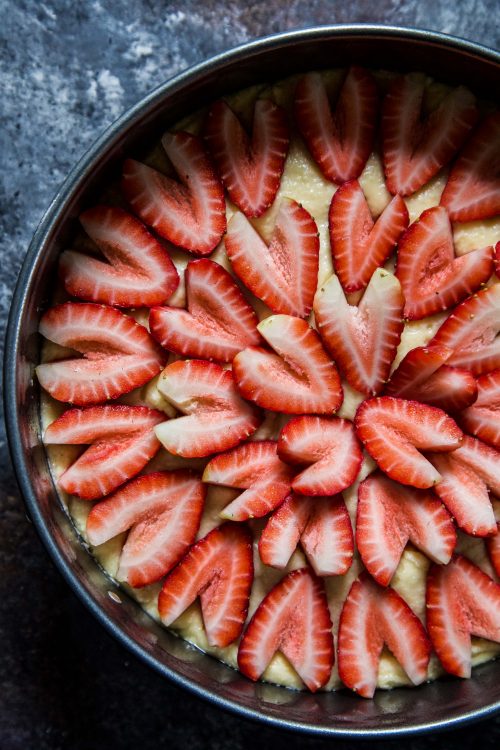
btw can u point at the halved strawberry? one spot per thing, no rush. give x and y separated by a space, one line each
362 340
163 512
371 617
138 272
250 170
360 245
332 448
431 277
216 417
473 187
118 353
484 459
218 322
416 147
461 601
493 549
339 141
390 515
219 570
321 525
190 213
482 419
293 618
393 430
299 379
497 259
121 439
283 274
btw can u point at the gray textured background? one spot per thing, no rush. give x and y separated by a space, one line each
67 70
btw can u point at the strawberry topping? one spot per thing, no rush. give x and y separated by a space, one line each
482 419
493 549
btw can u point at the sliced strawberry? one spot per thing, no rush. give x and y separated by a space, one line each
484 459
299 379
392 430
323 527
493 549
497 259
360 245
216 417
250 170
283 274
431 277
362 340
473 187
118 353
461 601
139 270
390 515
332 448
190 213
482 419
293 618
415 148
162 511
121 439
339 141
218 322
371 617
219 570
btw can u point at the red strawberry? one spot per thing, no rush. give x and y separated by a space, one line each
431 277
162 511
484 459
473 187
322 526
330 445
283 274
340 141
493 549
139 270
218 322
255 468
219 570
118 353
371 617
121 440
392 430
482 419
216 417
250 170
362 340
497 259
190 213
300 378
461 601
360 245
414 148
293 618
390 515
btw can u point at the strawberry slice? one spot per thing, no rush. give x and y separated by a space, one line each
293 618
219 570
216 417
416 147
392 430
371 617
218 322
362 340
250 170
139 270
118 353
473 187
332 448
493 549
431 277
190 213
497 259
321 525
360 245
389 516
162 511
255 468
339 141
482 419
461 601
121 439
283 274
299 379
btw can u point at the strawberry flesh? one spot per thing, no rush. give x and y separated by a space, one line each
482 419
493 549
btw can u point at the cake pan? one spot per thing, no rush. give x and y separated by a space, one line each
444 704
